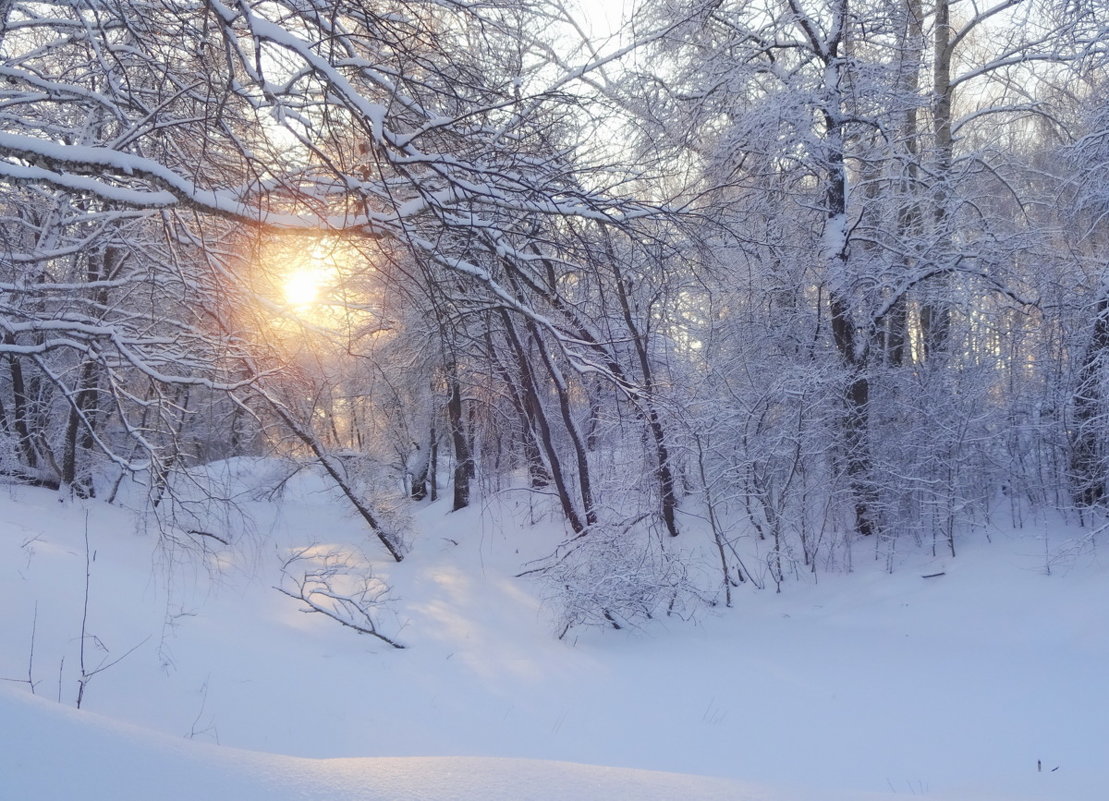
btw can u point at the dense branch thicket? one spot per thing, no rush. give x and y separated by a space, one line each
751 283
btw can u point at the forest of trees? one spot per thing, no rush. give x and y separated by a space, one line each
821 275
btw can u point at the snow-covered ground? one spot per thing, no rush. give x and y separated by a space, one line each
987 682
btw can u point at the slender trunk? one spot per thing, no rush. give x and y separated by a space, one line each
78 434
585 485
417 488
20 416
668 499
537 414
335 470
433 464
162 469
103 263
585 491
538 476
717 531
463 458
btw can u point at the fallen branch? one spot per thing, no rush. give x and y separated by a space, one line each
216 537
354 608
314 607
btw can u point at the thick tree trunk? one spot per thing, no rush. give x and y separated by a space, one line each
1087 462
935 310
853 349
894 327
856 419
894 331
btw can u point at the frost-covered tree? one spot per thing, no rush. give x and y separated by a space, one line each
443 138
861 176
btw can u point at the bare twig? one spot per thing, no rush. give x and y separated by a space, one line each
84 680
216 537
352 607
30 680
87 675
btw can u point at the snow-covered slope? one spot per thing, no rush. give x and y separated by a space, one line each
56 753
986 682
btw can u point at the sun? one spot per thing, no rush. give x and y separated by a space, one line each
302 287
313 283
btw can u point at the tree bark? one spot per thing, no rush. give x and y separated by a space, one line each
20 417
538 475
895 325
1087 462
935 310
585 484
664 474
536 413
463 458
852 349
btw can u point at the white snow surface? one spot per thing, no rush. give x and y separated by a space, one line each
59 753
987 682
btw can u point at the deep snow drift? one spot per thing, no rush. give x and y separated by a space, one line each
60 754
986 682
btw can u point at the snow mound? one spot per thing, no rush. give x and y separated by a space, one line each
58 752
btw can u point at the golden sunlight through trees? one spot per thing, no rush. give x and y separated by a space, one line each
303 285
307 280
320 293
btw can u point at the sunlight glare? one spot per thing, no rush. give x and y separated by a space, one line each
302 287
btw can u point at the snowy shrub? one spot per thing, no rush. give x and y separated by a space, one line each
615 578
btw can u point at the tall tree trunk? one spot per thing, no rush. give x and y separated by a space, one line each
852 348
418 477
79 430
585 484
856 419
538 475
1088 467
433 465
894 327
103 263
463 458
543 428
664 474
935 309
20 414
